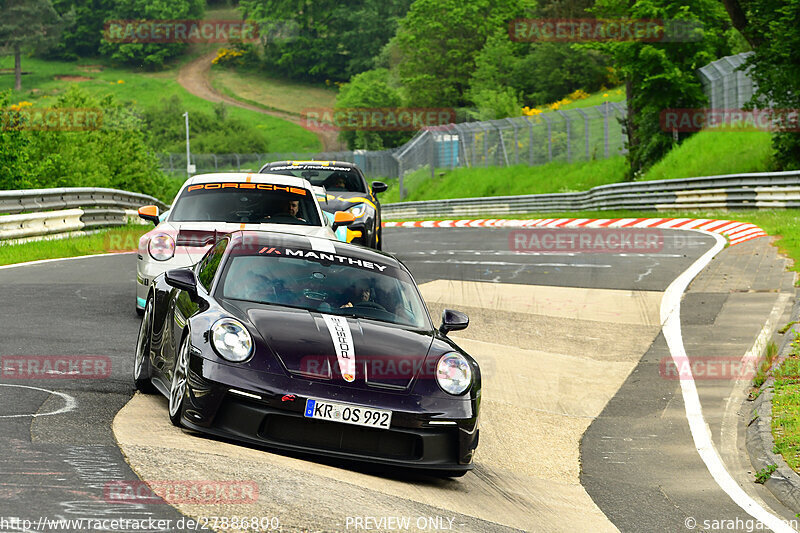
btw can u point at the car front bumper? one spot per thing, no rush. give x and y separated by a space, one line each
220 404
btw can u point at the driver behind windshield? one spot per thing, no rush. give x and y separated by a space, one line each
287 208
359 292
291 208
336 182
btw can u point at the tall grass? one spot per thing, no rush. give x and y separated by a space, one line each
503 181
715 152
707 153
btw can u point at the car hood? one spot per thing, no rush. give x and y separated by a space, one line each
305 342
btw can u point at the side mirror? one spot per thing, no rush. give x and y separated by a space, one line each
183 279
342 218
149 212
378 186
453 321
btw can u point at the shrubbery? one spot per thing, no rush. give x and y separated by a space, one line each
210 133
116 155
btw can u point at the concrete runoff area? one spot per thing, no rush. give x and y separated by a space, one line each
536 406
637 459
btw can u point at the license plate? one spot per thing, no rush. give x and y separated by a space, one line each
348 414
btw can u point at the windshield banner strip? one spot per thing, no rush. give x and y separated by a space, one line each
310 166
258 186
323 257
342 339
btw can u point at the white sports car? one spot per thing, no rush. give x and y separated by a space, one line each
209 205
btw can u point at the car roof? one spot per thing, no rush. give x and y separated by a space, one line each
260 239
310 163
253 177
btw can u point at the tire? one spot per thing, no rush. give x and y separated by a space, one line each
177 389
379 239
139 311
141 362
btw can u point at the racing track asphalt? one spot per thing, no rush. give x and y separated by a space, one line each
57 465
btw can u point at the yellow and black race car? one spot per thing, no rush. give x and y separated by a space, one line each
345 189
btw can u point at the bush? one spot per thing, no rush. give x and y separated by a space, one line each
209 133
115 155
495 103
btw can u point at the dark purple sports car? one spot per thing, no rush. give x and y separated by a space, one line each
310 345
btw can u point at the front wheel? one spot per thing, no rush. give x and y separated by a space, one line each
141 364
177 390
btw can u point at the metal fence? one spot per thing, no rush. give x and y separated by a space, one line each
725 84
562 135
572 135
373 163
568 136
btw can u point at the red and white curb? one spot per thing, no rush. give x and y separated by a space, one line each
736 232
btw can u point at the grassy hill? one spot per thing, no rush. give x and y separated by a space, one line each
45 80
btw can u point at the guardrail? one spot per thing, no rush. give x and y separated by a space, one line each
47 212
733 191
52 212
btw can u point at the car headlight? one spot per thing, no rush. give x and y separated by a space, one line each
231 340
161 247
358 210
454 373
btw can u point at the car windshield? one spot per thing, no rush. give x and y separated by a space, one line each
259 203
343 179
342 286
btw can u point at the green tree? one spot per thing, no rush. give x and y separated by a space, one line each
662 75
83 37
27 25
437 42
216 133
771 28
370 89
320 40
150 55
538 72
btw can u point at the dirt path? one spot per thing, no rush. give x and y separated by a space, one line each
194 77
